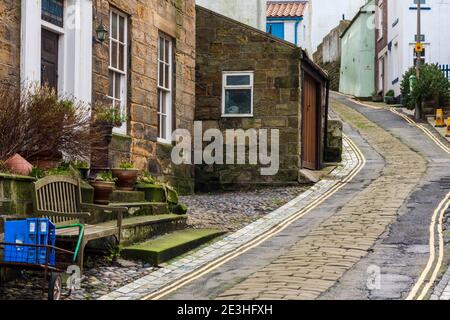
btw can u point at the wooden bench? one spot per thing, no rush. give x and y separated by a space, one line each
58 198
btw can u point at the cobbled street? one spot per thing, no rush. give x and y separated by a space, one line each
379 221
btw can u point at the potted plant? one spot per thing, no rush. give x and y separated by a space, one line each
105 118
82 167
103 185
126 176
389 97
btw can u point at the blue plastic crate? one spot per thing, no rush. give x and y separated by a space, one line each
30 231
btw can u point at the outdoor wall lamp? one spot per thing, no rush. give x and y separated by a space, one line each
101 33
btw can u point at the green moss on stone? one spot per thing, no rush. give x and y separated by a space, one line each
153 192
169 246
180 208
172 195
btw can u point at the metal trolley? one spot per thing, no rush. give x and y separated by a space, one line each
52 261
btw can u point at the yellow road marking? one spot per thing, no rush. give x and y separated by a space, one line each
440 210
436 223
209 267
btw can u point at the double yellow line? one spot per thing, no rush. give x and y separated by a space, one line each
438 217
209 267
424 129
435 261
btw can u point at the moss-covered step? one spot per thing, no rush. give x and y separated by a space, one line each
128 196
170 245
153 192
141 228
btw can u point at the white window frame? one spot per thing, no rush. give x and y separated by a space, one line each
226 87
122 73
166 92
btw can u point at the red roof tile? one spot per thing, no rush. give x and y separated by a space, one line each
277 9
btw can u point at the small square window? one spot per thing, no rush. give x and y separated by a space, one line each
237 97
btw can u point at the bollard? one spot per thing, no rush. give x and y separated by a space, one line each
448 128
440 118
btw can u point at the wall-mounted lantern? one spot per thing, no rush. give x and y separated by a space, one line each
101 33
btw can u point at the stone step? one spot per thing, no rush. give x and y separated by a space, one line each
170 246
127 196
141 228
147 208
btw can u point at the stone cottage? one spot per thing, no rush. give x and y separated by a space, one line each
145 66
249 79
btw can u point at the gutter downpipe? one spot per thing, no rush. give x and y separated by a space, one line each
297 23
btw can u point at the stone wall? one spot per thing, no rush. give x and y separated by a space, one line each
381 42
147 19
10 41
16 195
333 150
227 45
328 54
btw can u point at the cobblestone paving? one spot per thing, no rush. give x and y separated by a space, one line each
227 211
179 269
99 279
318 261
231 211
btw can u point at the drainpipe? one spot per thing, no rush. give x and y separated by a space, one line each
297 23
327 105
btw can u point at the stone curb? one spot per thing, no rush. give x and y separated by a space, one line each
159 279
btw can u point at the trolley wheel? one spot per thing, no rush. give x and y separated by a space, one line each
55 287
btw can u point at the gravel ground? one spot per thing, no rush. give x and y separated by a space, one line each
228 211
231 211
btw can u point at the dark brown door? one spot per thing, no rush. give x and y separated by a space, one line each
310 133
49 59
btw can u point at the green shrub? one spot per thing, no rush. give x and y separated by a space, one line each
432 85
390 93
126 166
105 176
146 178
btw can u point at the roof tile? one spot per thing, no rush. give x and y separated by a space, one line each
278 9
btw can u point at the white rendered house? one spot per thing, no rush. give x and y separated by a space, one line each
402 32
321 16
250 12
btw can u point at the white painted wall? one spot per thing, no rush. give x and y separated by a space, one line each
251 12
435 27
322 16
75 47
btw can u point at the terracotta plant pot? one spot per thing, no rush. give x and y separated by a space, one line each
126 179
102 191
18 165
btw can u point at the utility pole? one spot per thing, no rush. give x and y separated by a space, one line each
418 59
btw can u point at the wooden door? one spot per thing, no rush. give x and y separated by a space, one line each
49 59
310 134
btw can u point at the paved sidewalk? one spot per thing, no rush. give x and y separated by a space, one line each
181 268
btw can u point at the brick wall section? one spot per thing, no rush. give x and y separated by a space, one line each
226 45
10 41
381 43
147 18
